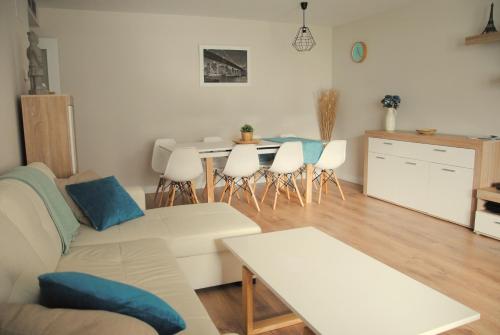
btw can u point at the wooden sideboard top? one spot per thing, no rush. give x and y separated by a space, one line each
459 141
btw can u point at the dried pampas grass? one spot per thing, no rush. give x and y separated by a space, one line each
327 113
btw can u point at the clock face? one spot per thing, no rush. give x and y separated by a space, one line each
358 52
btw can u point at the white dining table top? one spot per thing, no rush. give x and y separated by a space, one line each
220 149
336 289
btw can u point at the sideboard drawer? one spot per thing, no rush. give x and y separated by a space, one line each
449 155
487 223
396 148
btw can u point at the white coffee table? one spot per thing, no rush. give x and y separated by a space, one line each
337 290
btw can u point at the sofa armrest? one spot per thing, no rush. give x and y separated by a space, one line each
137 193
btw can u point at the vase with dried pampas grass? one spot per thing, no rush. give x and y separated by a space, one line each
327 113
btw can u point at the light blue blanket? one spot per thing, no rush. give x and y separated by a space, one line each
312 148
64 220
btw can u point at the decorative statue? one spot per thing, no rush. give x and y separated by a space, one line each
37 68
490 27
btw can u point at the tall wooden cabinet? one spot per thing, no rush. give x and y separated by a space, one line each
438 175
49 132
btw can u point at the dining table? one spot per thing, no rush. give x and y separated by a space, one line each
210 150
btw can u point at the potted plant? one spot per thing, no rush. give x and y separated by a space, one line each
246 133
391 104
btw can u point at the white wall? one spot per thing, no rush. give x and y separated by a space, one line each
13 43
135 77
418 52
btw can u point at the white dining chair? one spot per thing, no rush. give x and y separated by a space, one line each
332 157
159 161
289 159
183 167
242 164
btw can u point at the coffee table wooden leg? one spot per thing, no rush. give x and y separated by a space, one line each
253 327
247 286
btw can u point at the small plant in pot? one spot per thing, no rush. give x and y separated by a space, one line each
391 104
246 133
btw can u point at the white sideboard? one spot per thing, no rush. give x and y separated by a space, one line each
437 175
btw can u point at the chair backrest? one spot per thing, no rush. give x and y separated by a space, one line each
243 161
184 164
287 135
333 155
160 156
211 139
289 158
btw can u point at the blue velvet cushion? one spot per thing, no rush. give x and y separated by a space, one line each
105 202
83 291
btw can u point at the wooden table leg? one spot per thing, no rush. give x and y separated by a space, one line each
309 182
253 327
209 177
247 286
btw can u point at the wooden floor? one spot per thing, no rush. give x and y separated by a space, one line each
442 255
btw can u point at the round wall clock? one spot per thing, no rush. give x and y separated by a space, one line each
358 52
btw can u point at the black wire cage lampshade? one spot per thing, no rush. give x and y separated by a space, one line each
304 40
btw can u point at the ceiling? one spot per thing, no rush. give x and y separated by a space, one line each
320 12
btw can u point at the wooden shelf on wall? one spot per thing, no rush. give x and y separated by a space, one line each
483 38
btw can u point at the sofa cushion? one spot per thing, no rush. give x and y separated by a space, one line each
105 202
147 264
189 229
31 319
76 179
84 291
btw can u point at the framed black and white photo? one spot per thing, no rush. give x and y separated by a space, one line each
224 66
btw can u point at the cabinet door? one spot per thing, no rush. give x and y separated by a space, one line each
411 178
380 176
450 193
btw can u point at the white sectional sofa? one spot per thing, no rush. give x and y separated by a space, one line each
169 252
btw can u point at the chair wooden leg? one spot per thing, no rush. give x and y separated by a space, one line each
160 184
338 185
231 187
162 192
250 189
326 183
224 191
172 196
285 182
321 182
268 185
277 186
193 193
297 191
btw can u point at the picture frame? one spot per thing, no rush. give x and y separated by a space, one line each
224 66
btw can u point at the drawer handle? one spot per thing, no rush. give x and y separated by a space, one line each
387 143
378 157
449 170
440 150
410 163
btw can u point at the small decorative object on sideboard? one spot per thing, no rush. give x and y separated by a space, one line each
426 131
246 133
391 104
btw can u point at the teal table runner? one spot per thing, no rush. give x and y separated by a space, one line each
312 148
